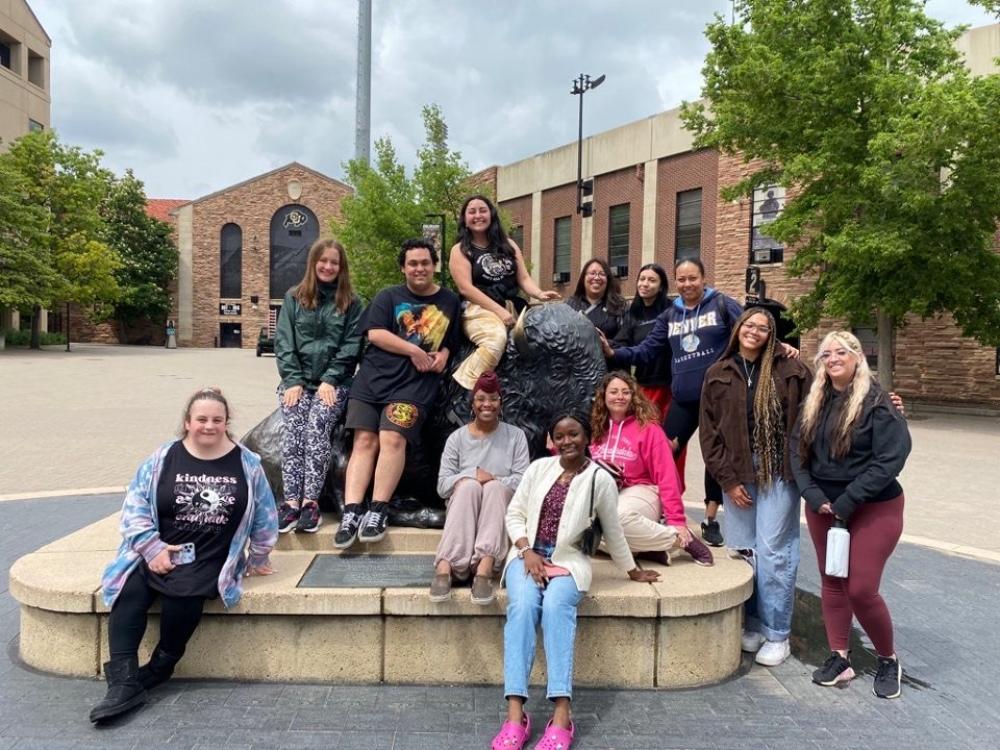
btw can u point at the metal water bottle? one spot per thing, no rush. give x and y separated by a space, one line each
838 549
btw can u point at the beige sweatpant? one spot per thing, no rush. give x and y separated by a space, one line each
639 512
474 527
489 334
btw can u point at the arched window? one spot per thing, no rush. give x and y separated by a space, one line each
293 230
231 262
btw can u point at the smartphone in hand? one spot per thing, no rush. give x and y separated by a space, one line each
183 556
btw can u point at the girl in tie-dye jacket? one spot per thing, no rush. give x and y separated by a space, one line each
141 536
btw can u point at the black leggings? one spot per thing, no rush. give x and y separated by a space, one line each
179 616
680 424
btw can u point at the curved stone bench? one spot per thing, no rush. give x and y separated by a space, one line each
683 631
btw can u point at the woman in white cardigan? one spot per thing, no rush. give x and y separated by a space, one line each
547 574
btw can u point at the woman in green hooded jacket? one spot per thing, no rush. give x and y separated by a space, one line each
317 345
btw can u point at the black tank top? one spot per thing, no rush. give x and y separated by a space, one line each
493 274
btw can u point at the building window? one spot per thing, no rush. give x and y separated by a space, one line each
517 234
36 69
562 255
688 232
10 53
768 203
34 126
293 230
618 229
231 262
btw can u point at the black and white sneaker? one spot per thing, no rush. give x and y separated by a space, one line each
888 678
350 522
374 524
288 516
711 532
835 669
309 518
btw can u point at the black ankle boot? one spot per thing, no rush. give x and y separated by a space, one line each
124 689
158 670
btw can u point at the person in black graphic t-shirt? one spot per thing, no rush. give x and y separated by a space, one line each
412 329
489 272
203 490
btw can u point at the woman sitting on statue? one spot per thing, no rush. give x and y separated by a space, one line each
489 271
481 466
316 346
189 515
547 574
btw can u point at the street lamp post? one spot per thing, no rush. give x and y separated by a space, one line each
444 247
582 85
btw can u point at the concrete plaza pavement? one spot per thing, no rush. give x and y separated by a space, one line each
74 422
86 419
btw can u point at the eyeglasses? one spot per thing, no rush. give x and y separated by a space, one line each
841 353
759 329
596 275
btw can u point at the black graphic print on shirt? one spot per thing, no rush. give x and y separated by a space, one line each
199 502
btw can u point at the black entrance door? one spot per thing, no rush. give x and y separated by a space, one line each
230 335
293 230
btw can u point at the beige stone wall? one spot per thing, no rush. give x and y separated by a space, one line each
251 205
22 99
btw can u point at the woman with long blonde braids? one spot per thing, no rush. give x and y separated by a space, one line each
848 447
749 404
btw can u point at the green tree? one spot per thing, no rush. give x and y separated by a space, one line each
389 206
25 273
68 186
864 108
146 250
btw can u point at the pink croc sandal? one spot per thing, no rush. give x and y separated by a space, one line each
511 736
556 738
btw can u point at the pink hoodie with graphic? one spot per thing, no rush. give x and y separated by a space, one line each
645 456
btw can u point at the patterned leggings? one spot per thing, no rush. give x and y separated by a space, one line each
305 443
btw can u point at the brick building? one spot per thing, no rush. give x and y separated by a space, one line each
241 248
656 199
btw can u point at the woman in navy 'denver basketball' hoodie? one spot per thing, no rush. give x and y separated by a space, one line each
694 331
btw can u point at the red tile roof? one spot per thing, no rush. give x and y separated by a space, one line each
160 208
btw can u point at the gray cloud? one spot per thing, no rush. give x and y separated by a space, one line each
198 95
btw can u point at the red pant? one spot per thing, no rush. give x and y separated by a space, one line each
661 396
875 530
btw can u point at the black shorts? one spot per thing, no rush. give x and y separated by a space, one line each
396 416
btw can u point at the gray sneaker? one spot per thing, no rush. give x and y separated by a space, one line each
482 590
441 588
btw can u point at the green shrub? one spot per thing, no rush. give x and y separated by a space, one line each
23 338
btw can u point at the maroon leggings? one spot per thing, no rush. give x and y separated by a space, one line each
875 529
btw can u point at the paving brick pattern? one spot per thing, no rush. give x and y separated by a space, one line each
945 610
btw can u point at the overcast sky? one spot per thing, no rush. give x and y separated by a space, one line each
196 95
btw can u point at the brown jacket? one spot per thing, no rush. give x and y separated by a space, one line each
725 444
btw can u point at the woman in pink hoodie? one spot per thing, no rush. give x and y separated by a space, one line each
628 440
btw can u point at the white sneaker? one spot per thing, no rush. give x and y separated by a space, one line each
773 653
751 641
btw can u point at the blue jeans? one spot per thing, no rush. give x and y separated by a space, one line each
770 527
527 605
